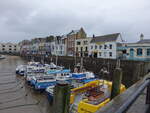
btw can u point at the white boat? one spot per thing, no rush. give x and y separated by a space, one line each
2 57
21 69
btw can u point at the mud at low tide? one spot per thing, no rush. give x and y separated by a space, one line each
15 95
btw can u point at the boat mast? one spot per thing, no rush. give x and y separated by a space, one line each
81 64
56 51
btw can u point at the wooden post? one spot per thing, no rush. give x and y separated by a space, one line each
61 98
116 83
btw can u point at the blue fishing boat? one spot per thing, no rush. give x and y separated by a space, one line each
50 79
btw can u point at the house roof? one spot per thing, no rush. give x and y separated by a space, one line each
105 38
73 32
143 41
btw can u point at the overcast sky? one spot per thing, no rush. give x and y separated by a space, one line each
26 19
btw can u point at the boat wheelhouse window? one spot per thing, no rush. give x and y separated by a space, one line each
148 52
48 78
139 52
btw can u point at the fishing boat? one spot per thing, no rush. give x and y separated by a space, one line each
42 82
2 57
88 97
92 96
39 70
21 70
82 75
50 79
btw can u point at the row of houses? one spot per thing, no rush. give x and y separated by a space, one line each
9 48
77 43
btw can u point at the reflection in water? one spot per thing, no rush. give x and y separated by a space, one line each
15 95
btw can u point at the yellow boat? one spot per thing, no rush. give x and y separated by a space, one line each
91 96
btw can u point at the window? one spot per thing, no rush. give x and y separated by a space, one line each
148 52
100 47
3 45
3 49
105 54
110 46
10 46
139 52
86 48
95 46
105 46
110 54
91 47
85 42
78 43
61 47
81 48
76 48
14 49
10 49
100 54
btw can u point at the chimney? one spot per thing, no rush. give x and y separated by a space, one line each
93 36
141 37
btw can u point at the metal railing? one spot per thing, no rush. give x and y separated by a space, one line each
122 102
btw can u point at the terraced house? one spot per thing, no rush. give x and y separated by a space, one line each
105 46
137 51
9 48
82 46
71 39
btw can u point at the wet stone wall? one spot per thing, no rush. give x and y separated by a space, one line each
132 70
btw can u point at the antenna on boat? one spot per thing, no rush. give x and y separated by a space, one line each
51 59
56 51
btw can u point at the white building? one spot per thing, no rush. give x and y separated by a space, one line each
105 46
81 46
9 48
139 50
58 47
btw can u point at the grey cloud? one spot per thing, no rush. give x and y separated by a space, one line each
26 19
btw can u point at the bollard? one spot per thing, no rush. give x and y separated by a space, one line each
61 98
116 83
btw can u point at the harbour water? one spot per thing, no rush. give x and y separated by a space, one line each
15 95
